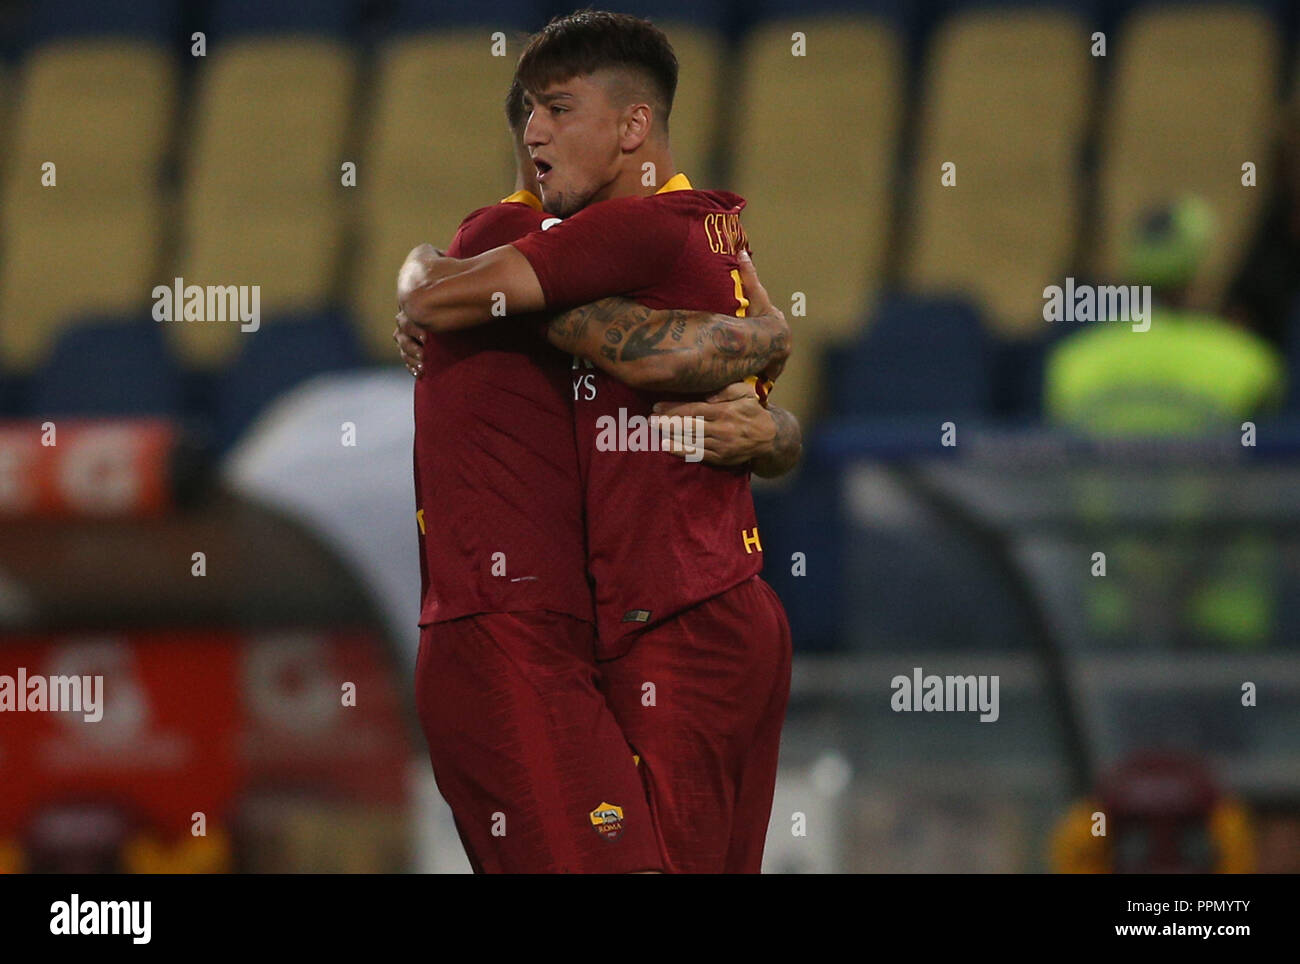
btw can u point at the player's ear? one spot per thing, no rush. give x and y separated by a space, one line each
637 122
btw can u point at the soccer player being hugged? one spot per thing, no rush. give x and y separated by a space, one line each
692 648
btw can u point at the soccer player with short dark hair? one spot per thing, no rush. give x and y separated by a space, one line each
694 647
537 771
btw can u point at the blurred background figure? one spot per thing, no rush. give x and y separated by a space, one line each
1191 372
217 516
1163 814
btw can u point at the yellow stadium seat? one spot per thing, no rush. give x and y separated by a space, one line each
264 201
101 111
6 127
433 154
1193 98
271 121
62 263
294 261
1005 103
696 120
813 150
80 212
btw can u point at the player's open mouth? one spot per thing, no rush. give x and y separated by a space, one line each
542 169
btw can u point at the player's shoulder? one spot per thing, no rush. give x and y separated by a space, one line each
496 224
696 200
503 212
686 202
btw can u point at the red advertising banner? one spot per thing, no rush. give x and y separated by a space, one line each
144 730
85 467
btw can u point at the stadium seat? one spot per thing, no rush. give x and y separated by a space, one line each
806 515
293 259
6 128
59 265
154 20
892 10
273 360
917 356
264 195
1291 344
108 367
413 16
1193 97
429 160
251 151
820 188
100 110
704 14
1006 102
237 18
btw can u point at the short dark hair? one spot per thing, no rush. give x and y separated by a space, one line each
516 113
590 40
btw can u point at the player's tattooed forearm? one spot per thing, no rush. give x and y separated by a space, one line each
727 337
709 350
644 340
736 348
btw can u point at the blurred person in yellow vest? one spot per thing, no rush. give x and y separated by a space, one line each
1190 372
1185 373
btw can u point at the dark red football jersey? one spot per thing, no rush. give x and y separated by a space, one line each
663 534
498 496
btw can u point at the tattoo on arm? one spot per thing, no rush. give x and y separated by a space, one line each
787 447
710 351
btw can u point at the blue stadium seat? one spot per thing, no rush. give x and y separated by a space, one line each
230 18
918 356
1119 9
110 366
713 14
899 12
1089 11
420 15
1291 347
60 19
1016 376
806 517
275 358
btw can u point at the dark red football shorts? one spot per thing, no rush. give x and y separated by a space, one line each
702 698
525 749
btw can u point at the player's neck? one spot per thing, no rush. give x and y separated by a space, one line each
638 180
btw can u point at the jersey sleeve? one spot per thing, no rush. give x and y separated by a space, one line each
615 247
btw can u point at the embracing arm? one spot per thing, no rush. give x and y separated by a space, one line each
786 448
734 427
447 294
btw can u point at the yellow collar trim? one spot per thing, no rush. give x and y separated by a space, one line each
677 182
524 197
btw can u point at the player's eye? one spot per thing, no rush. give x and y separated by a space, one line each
558 110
